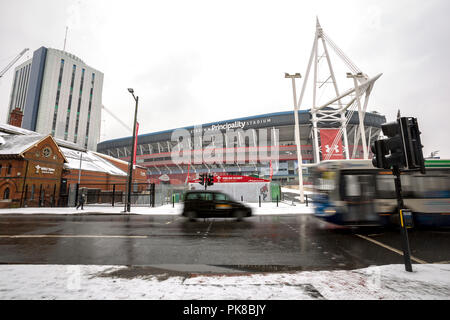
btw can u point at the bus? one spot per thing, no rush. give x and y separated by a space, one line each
355 193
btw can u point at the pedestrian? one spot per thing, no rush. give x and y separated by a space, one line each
81 200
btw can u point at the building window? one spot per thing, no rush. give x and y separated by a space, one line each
11 105
89 111
58 93
9 169
6 194
79 106
32 192
66 130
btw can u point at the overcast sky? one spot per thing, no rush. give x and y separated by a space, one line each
193 62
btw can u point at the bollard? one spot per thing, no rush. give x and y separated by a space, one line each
260 201
277 200
173 201
113 194
306 200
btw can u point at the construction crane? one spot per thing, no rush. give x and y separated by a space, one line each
13 62
115 117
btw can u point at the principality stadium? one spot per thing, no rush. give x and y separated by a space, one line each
155 150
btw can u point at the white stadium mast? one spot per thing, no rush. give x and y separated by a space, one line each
3 71
342 103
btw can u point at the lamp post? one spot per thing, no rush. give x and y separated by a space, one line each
297 135
360 115
130 168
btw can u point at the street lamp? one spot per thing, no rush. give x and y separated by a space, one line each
360 115
297 135
130 168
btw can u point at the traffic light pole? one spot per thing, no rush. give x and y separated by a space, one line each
404 230
402 149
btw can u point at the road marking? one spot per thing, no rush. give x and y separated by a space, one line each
390 248
169 222
69 236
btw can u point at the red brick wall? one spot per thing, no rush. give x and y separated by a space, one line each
34 169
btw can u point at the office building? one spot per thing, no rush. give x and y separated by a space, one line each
57 93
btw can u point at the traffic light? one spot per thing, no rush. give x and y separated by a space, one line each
202 179
412 144
393 145
402 148
378 150
210 180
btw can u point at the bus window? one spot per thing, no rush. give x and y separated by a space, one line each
352 187
326 181
359 186
432 186
408 187
385 186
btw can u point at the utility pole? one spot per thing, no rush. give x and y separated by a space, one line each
131 165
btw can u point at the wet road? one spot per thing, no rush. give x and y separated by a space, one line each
259 243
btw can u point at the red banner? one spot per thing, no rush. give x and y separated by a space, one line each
230 179
135 143
329 151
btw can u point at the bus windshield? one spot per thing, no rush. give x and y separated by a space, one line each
324 181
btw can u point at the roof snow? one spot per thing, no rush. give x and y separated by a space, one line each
9 129
16 144
18 140
90 162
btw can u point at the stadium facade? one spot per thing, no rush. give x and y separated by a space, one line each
245 153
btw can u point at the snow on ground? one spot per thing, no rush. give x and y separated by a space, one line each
390 282
266 208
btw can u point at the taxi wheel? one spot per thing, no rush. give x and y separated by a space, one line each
191 215
239 215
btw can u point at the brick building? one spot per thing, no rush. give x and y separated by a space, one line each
38 170
30 170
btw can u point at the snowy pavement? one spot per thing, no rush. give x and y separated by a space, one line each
390 282
267 208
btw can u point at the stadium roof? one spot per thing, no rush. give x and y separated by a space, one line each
283 118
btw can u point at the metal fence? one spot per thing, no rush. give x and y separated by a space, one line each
142 194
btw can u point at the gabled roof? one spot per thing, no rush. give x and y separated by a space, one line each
6 129
17 145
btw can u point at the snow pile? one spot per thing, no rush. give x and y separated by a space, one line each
94 282
268 208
